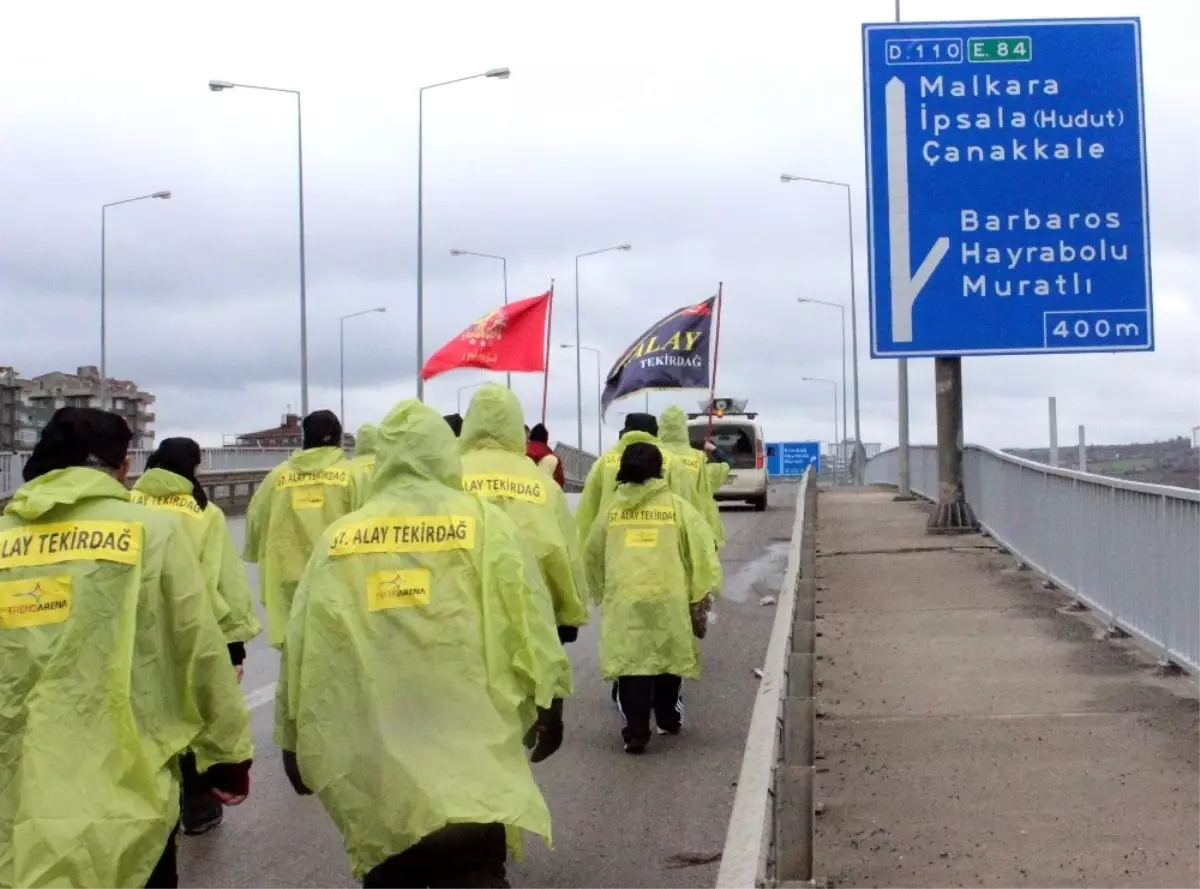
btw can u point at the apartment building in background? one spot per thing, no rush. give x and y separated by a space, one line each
26 405
10 398
288 434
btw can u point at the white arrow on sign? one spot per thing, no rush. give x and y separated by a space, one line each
905 285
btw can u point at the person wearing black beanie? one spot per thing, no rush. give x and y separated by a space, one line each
292 508
81 436
169 483
601 484
321 429
653 567
114 665
181 457
537 449
637 422
639 464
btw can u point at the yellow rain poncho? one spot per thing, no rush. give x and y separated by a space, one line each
420 643
601 484
649 559
717 473
224 573
287 515
495 468
112 665
691 463
364 459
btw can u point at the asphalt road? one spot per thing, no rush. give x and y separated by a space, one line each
618 820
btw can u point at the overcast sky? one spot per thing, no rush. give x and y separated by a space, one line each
663 125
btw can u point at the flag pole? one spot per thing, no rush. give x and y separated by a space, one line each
712 392
546 372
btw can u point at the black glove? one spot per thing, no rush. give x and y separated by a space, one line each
546 735
229 777
292 769
237 653
568 634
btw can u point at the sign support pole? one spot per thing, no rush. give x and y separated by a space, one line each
904 489
953 514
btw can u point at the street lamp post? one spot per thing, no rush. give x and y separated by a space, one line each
217 86
499 74
858 464
833 383
162 195
599 396
578 348
342 356
462 389
504 268
842 309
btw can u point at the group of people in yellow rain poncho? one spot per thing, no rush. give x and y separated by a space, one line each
420 595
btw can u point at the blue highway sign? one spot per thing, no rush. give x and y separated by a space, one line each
791 458
1006 188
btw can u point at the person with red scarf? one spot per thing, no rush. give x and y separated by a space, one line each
538 450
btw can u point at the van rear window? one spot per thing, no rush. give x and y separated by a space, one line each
734 439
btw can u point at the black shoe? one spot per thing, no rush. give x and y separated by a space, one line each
202 817
634 743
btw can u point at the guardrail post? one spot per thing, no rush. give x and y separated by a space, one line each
800 680
794 824
804 637
806 599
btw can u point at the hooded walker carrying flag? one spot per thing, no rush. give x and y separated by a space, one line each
512 338
672 354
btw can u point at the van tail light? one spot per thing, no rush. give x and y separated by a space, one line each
758 455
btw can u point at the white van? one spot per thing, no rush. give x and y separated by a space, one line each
739 435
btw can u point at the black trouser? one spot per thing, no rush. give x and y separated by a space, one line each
189 777
166 873
195 797
636 696
469 856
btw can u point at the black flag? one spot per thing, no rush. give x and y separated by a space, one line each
672 354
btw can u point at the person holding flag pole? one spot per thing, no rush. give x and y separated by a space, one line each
691 464
673 353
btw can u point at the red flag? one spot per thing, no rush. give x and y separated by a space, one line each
511 338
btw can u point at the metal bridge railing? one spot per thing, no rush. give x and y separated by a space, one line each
769 841
212 460
1129 551
576 464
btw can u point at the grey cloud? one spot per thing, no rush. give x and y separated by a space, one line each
676 149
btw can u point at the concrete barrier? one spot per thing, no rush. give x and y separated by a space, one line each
770 835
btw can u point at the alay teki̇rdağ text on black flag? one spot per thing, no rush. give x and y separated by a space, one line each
672 354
